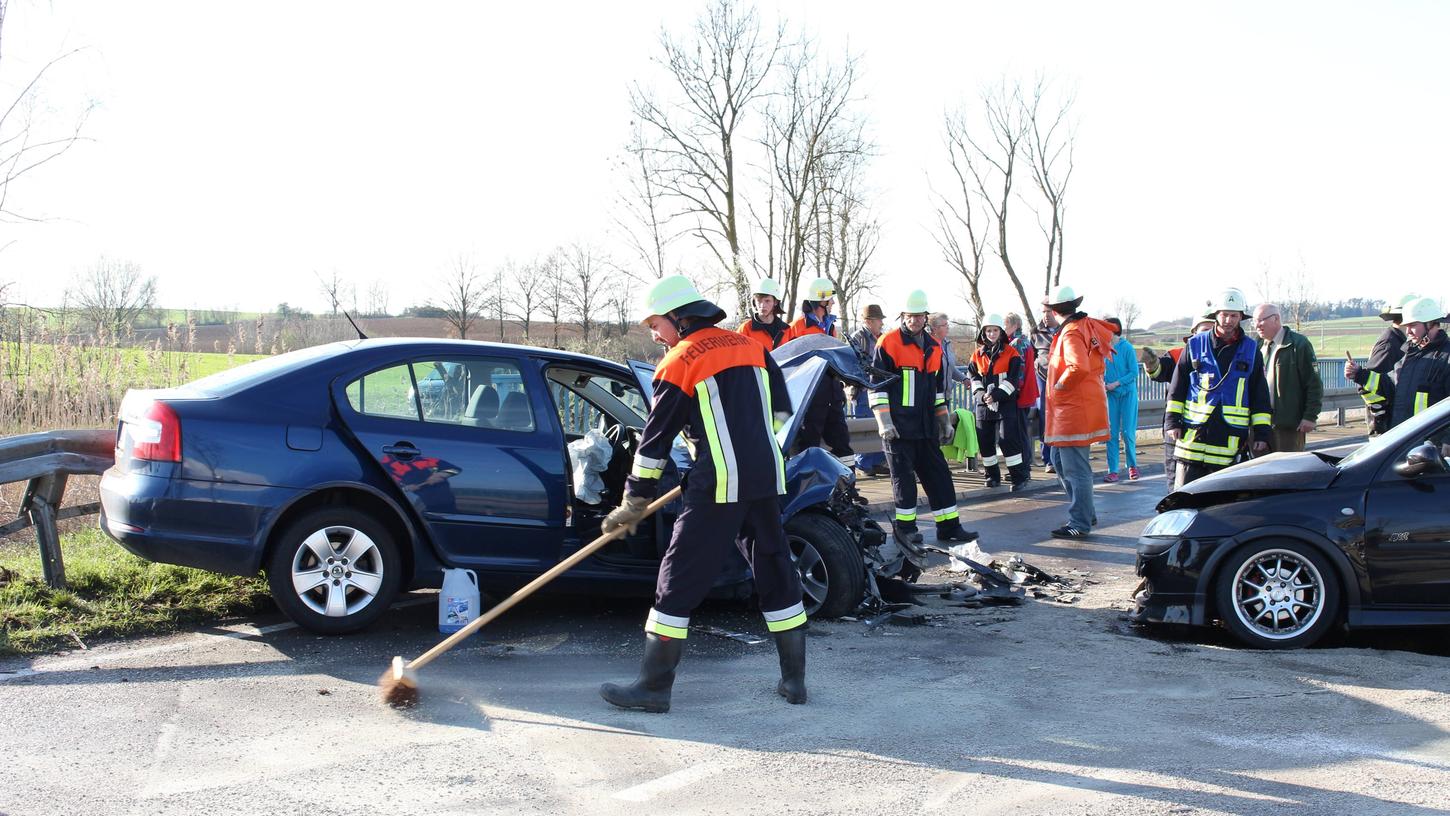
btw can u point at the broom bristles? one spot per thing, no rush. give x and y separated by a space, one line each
399 686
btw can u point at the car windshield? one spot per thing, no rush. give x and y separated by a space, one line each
1419 428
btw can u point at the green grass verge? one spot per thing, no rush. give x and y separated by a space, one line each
111 593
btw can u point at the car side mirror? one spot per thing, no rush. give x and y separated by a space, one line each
1419 461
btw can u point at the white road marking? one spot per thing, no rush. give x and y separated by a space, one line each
646 791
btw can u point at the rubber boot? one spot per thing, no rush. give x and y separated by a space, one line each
1019 476
994 476
953 531
791 644
651 692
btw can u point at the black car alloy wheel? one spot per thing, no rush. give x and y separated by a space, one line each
1278 594
833 576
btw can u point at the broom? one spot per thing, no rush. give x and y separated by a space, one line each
399 685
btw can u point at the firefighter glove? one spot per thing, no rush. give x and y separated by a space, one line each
885 427
629 514
944 431
1148 358
999 396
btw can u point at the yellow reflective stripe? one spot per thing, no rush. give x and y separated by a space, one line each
641 472
787 624
879 398
1174 407
770 422
712 435
667 625
1422 401
946 515
1239 397
908 387
906 514
1263 419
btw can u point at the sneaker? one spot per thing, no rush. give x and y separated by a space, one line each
1110 478
1133 474
1068 531
1049 468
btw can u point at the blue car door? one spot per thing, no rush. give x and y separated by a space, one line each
464 440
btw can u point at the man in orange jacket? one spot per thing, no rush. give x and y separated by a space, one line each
1077 403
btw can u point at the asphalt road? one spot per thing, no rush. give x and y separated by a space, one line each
1046 708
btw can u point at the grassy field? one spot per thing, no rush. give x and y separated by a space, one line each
1331 338
112 594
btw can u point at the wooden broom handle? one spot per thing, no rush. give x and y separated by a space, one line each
528 589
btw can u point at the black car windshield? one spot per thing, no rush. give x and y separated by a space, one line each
1424 426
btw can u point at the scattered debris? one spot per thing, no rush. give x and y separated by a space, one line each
324 692
747 639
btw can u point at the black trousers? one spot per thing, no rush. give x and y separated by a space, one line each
1170 467
910 459
1005 433
825 420
702 536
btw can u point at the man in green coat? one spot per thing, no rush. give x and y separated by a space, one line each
1294 386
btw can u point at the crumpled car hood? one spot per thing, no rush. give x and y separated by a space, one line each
1275 473
838 355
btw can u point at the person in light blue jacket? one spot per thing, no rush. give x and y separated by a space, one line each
1121 379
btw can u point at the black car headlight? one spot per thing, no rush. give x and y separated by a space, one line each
1171 524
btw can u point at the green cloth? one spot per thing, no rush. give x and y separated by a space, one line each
1298 392
964 443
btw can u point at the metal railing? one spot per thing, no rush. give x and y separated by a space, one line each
47 460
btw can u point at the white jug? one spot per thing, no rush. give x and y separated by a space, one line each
457 600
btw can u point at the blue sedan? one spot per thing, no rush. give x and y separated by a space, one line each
351 471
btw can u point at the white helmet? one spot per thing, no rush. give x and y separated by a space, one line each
1394 308
1063 295
820 289
1229 300
767 286
1422 310
992 320
915 303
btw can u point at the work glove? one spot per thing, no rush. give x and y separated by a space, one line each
629 514
944 431
1148 357
999 396
885 428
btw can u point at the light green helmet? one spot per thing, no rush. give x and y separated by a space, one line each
673 294
915 303
1422 310
767 286
1395 308
820 289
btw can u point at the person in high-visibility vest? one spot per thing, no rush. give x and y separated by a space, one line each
996 373
1422 376
824 423
1160 368
1375 377
765 326
727 396
911 417
1218 403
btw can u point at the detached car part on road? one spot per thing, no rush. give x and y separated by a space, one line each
352 471
1283 548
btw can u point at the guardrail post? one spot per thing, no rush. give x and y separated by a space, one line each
44 495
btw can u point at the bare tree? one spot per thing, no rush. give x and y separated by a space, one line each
857 235
644 220
1050 138
588 286
334 289
719 74
525 288
111 294
1126 310
25 143
812 139
377 299
962 218
990 160
462 296
553 290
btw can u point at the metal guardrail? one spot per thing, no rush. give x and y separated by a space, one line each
46 460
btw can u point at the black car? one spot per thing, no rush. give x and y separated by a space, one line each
1282 548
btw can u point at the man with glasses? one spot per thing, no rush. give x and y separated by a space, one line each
1295 390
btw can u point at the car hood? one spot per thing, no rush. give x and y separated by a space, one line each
1275 473
839 356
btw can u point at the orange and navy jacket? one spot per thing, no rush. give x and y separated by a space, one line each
728 396
770 335
916 398
997 372
807 324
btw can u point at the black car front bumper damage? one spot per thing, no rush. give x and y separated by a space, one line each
1172 588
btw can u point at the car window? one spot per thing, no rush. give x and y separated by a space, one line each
480 392
587 399
386 393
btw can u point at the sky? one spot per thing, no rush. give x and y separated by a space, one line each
238 151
